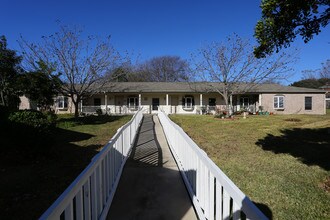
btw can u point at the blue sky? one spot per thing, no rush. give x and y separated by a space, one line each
151 27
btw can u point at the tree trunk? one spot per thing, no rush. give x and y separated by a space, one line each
76 109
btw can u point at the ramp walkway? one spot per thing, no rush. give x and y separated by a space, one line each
151 186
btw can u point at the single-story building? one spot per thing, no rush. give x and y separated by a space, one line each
196 98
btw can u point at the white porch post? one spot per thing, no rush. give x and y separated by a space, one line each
106 103
260 97
201 102
167 109
139 100
81 106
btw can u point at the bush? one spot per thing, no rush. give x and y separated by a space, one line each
99 111
30 119
4 113
51 117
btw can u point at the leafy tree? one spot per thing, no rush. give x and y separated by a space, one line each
9 73
311 83
283 20
41 87
83 62
233 68
315 78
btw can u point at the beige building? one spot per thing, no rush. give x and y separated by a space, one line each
199 98
192 98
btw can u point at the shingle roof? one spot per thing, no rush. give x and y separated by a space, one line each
195 87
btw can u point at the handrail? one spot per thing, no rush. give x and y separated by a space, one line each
213 194
90 195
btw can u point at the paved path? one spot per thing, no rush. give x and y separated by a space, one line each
151 186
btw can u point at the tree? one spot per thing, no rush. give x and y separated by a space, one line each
283 20
325 71
164 69
9 73
310 83
315 78
40 87
233 68
82 62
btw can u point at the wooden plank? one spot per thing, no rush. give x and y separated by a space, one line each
218 200
211 197
68 213
236 212
87 200
226 205
79 205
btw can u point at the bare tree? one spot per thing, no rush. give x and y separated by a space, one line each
81 62
325 71
233 69
164 69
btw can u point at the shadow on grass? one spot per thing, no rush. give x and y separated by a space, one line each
87 120
34 176
310 146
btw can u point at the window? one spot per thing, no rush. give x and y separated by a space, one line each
188 102
212 101
62 102
244 102
278 102
132 102
308 103
97 101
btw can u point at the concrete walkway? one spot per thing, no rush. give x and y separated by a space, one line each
151 186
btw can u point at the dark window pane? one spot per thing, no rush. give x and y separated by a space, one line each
97 101
308 103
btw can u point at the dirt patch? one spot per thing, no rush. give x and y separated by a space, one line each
325 185
293 120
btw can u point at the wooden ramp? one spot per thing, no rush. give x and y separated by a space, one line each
151 186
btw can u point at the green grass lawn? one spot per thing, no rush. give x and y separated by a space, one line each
30 182
280 162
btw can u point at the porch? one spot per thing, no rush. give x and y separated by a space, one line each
170 103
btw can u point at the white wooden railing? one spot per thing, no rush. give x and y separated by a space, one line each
213 194
90 195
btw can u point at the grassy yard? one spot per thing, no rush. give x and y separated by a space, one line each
30 182
281 162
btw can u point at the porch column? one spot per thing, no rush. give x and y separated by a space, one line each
139 100
106 103
81 106
201 102
260 97
166 99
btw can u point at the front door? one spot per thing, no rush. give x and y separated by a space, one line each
155 104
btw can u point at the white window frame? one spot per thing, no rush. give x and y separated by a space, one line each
134 102
62 102
190 106
277 102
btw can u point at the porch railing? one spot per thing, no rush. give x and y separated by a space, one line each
213 194
90 195
90 109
